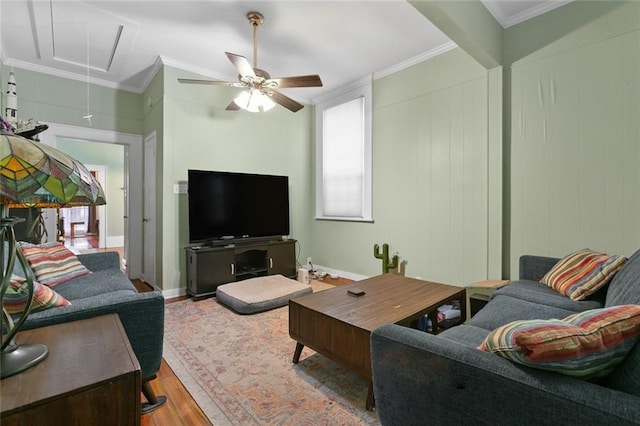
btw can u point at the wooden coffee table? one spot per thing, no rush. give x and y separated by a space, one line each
338 325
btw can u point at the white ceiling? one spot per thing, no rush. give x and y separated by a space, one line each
124 41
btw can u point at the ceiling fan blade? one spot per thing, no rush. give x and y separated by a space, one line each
285 101
233 106
242 65
297 81
210 82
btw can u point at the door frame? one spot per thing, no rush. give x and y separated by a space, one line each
132 184
149 225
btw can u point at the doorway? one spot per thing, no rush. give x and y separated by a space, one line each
84 228
131 190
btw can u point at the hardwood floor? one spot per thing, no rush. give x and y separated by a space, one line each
181 408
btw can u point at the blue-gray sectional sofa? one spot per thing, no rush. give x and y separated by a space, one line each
443 379
107 290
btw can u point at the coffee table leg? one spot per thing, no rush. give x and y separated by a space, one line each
371 401
296 354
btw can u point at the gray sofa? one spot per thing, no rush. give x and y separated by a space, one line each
419 378
107 290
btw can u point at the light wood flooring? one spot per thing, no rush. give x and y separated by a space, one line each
181 408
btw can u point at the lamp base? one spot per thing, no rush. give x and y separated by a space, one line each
18 358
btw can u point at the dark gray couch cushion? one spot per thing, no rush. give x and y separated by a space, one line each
95 284
626 376
624 288
503 309
533 291
468 335
533 268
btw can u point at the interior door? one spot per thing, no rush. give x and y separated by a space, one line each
149 211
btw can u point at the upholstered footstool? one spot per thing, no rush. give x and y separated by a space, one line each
260 294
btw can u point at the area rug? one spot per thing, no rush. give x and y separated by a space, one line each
238 369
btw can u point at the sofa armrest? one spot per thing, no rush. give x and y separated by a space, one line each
533 268
420 378
101 260
141 314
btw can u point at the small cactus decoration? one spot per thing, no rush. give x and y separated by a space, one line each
386 266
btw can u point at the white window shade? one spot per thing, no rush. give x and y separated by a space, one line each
343 159
343 155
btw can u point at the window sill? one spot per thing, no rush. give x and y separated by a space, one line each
345 219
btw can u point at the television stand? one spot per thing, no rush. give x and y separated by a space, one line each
211 266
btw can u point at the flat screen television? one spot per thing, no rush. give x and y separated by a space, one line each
226 205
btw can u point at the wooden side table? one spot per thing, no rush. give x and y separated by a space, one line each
479 292
91 376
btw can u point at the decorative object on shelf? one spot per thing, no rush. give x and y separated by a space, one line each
33 175
261 94
27 128
30 128
11 109
386 265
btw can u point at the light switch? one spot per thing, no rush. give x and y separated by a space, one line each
180 188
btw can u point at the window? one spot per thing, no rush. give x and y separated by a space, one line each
343 157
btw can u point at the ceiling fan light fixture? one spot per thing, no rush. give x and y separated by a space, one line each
254 101
261 94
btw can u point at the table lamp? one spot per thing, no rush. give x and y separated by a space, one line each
33 174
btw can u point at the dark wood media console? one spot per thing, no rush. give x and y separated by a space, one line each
208 267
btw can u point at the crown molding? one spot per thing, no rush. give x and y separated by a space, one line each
71 76
385 72
354 85
415 60
153 70
193 69
532 12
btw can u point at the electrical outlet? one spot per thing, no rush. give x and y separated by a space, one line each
309 261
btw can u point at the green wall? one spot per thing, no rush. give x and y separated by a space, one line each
152 99
562 124
54 99
575 130
430 176
199 134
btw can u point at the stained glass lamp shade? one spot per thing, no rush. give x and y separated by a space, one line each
33 175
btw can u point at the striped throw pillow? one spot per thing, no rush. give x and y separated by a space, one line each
582 273
15 299
584 345
53 263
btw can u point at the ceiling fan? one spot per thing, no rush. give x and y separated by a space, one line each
261 93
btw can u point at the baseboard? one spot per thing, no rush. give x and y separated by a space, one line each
115 241
177 292
344 274
174 292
